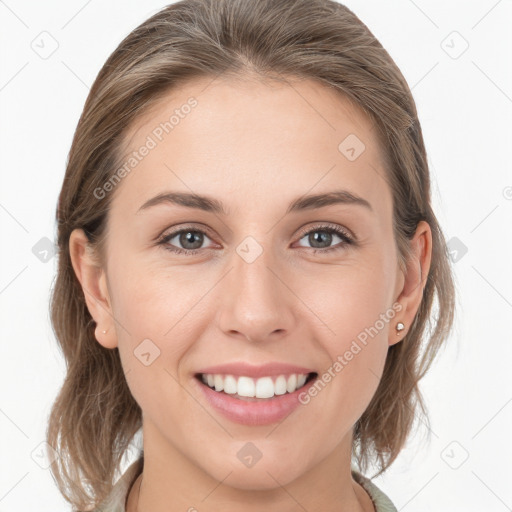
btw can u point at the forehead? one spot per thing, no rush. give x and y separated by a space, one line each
238 139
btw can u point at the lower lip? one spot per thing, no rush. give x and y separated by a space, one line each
262 412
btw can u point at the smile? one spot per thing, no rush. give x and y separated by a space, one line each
254 401
244 387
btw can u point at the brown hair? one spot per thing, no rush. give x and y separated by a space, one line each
95 417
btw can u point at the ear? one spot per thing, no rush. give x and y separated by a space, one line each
411 282
92 278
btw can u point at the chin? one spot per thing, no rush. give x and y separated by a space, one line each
260 477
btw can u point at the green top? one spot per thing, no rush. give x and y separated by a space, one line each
116 500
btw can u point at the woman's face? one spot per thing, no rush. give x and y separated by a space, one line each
266 280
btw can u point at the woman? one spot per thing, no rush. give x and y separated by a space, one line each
248 263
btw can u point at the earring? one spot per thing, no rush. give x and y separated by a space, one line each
104 332
399 327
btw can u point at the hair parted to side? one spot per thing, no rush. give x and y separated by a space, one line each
95 417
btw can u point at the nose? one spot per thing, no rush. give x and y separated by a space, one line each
256 302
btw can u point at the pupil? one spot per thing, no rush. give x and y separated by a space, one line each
319 235
188 237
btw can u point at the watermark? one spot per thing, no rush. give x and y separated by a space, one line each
456 249
351 147
44 249
355 348
249 454
152 141
454 44
44 45
44 455
454 455
146 352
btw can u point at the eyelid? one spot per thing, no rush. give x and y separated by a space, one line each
191 227
302 232
327 225
345 234
170 233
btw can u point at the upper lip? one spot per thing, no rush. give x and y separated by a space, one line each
249 370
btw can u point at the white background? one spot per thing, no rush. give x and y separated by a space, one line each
465 107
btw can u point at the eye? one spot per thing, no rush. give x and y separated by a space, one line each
326 237
190 238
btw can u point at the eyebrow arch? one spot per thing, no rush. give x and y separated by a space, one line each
320 200
209 204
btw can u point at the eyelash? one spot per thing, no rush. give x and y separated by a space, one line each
347 239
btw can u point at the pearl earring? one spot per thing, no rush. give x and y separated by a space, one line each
104 332
399 327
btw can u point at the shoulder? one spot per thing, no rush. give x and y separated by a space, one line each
380 500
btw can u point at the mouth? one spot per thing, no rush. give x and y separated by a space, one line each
250 389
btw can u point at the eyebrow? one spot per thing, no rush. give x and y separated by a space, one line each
212 205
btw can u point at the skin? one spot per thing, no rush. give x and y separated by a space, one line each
256 147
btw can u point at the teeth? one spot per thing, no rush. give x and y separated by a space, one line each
264 387
219 382
291 385
280 385
301 380
230 385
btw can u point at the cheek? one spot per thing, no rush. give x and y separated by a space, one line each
352 297
154 322
157 332
154 302
355 305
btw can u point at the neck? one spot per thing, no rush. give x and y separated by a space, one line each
327 486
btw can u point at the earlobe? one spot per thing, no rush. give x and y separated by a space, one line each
398 333
413 280
92 278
